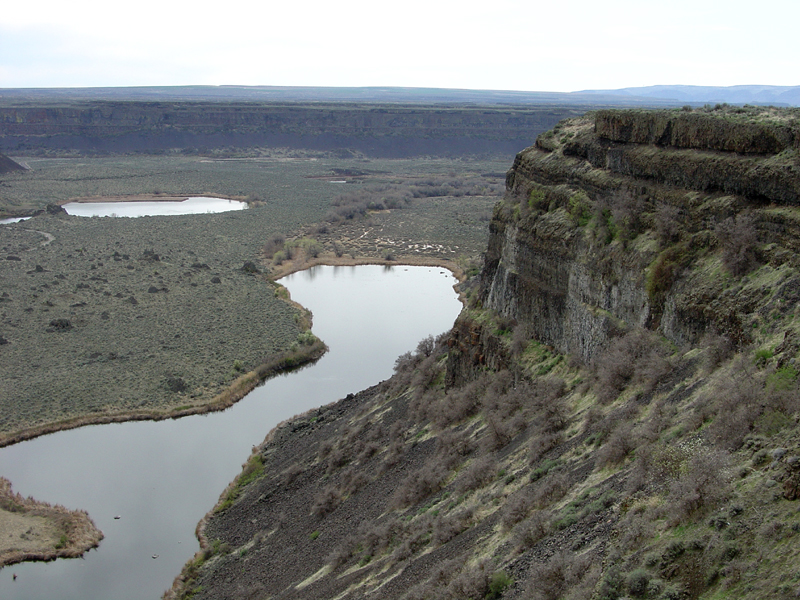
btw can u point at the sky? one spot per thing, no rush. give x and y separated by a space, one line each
532 45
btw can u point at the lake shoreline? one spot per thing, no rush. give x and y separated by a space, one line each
289 267
246 382
281 363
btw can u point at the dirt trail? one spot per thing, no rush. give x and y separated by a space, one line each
49 237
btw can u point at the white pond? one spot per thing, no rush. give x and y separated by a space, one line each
190 206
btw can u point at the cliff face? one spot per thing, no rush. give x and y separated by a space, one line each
566 256
615 413
378 130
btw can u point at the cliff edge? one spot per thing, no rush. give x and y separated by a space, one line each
615 413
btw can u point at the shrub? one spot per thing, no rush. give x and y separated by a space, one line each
452 447
471 582
326 501
625 211
519 340
273 245
738 238
426 346
419 485
551 489
736 405
637 582
617 447
551 580
635 529
501 431
668 226
342 553
673 592
762 356
515 510
406 363
352 481
610 587
580 209
665 270
528 532
459 404
718 348
479 474
702 487
498 582
446 528
635 357
541 444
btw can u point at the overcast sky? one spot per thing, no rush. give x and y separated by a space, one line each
531 45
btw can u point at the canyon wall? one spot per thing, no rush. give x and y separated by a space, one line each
566 257
373 129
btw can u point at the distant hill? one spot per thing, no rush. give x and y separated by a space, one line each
653 96
393 95
698 94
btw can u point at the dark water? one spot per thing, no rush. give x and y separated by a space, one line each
161 478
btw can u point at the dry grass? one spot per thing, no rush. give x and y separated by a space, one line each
33 530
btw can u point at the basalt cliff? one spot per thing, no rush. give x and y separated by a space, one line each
384 130
614 414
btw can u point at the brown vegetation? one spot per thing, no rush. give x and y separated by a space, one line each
33 530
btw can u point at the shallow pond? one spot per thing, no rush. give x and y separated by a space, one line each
160 478
190 206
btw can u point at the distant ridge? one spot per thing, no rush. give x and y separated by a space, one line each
698 94
655 96
387 95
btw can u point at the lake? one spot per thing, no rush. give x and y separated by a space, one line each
190 206
160 478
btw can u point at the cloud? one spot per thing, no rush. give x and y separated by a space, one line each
506 44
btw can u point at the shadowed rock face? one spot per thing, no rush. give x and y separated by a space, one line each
9 166
375 130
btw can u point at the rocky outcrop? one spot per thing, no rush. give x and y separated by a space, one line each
566 257
742 130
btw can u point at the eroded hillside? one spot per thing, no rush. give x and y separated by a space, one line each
615 413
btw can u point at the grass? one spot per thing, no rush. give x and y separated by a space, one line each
252 470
